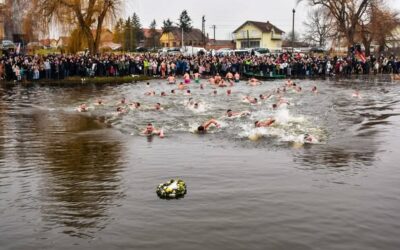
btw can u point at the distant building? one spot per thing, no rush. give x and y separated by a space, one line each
394 41
174 38
151 40
107 36
253 34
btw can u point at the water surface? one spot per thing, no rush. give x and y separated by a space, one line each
73 180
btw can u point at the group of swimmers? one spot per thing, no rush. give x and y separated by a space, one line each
215 81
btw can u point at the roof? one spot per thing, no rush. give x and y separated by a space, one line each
193 35
264 27
147 32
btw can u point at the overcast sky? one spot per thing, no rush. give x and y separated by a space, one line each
227 15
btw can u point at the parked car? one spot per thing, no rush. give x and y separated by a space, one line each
7 45
141 49
242 52
261 51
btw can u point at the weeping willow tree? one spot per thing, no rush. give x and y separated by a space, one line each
85 15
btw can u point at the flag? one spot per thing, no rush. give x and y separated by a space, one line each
18 49
361 56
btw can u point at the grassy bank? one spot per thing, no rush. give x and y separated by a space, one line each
90 80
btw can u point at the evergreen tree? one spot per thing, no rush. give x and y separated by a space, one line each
137 29
129 35
167 25
185 22
118 36
154 36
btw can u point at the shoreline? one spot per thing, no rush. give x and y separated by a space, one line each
81 81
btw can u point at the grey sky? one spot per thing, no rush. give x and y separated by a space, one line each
227 15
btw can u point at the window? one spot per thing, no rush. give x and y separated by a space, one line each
250 44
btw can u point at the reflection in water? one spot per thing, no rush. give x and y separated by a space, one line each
81 178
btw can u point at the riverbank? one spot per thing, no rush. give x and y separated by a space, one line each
79 81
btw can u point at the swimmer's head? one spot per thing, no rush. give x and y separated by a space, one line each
274 106
229 112
163 93
149 128
188 91
137 104
229 91
148 83
257 124
173 91
201 129
196 105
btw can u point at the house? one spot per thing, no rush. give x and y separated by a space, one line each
151 40
49 43
254 34
394 41
173 38
106 36
62 41
220 44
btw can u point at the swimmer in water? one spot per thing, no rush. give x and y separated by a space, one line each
228 92
150 130
266 123
188 92
135 105
173 91
201 86
150 93
121 111
186 78
229 76
396 77
171 79
123 101
196 106
181 86
314 90
99 102
158 106
163 94
214 92
356 94
206 125
237 77
82 108
232 114
310 139
254 82
250 100
211 80
196 77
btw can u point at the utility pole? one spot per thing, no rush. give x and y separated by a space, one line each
182 43
203 29
248 39
214 27
294 12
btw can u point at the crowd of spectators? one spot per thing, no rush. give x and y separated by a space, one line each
56 67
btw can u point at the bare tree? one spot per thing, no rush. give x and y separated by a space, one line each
319 27
345 13
85 14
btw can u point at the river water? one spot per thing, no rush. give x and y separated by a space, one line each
71 180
